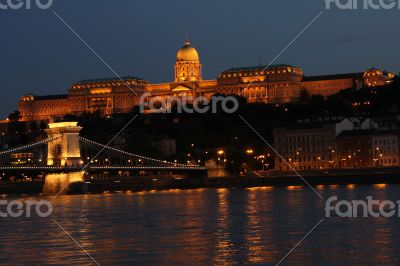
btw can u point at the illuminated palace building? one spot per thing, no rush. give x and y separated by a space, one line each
275 84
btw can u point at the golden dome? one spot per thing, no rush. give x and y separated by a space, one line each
187 53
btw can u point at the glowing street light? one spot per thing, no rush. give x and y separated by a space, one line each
249 151
221 152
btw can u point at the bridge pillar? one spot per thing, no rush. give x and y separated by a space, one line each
65 150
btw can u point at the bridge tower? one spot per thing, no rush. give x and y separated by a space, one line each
64 150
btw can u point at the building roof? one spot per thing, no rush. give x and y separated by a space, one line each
368 132
51 97
311 125
256 68
332 77
308 126
356 133
125 78
187 53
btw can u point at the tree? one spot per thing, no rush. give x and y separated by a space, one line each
70 118
43 125
14 116
15 126
304 96
33 126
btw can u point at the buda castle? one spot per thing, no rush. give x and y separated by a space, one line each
272 84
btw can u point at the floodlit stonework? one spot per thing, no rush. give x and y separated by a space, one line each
275 84
64 150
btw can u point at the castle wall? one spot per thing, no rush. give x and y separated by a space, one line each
267 84
37 110
327 87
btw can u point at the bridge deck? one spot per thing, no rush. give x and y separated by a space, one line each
94 167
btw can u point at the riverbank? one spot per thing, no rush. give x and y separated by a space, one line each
368 176
135 184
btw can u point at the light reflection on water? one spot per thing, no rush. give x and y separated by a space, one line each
255 226
56 183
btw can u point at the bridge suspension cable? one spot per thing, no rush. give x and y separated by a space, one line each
29 146
131 154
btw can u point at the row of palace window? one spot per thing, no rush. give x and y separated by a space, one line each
99 85
305 167
306 159
300 138
388 161
191 75
258 72
193 68
304 149
385 142
330 84
385 151
45 111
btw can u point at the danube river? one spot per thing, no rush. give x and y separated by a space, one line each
257 226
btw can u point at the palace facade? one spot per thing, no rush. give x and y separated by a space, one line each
272 84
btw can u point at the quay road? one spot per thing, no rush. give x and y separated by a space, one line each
96 168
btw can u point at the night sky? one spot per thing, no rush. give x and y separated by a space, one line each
41 55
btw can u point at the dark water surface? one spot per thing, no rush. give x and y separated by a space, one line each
256 226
